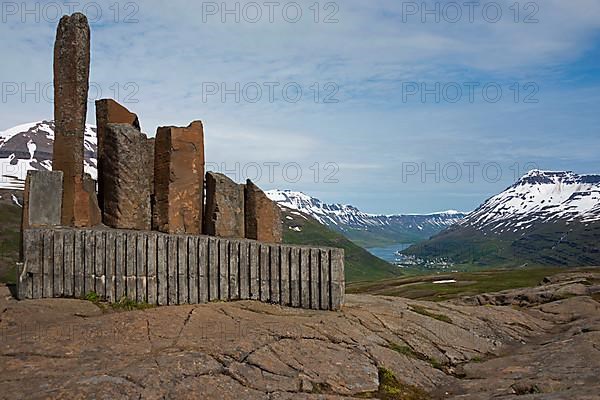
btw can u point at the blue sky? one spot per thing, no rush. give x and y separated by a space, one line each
372 146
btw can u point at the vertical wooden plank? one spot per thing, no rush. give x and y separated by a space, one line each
130 260
141 272
213 269
172 277
295 297
32 253
48 265
151 258
109 272
337 284
284 256
99 265
89 255
265 272
274 278
244 260
162 245
234 270
203 270
192 262
182 270
223 269
254 257
315 271
68 260
120 266
324 280
305 288
36 265
79 264
58 271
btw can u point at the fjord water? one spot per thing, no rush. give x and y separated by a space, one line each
388 253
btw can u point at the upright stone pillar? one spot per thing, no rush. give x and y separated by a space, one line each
108 111
126 175
179 179
42 199
262 216
71 84
224 212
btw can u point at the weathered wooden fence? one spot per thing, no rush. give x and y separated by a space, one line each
166 269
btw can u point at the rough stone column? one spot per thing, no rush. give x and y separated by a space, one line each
126 174
179 178
224 212
108 111
42 199
71 84
262 216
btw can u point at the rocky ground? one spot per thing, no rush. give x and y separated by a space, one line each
538 343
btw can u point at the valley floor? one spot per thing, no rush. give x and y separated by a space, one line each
533 343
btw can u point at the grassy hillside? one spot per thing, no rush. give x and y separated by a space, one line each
467 283
360 264
551 244
10 238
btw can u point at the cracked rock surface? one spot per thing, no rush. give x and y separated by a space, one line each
62 348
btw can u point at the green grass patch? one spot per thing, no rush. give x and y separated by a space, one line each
468 283
390 388
424 311
124 304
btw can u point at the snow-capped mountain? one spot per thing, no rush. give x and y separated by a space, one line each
357 224
547 217
540 197
29 147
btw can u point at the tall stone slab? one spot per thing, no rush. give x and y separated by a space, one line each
179 179
71 84
42 199
262 216
126 175
224 212
108 111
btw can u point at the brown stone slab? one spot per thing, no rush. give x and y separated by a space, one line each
179 179
126 174
71 84
224 213
262 216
